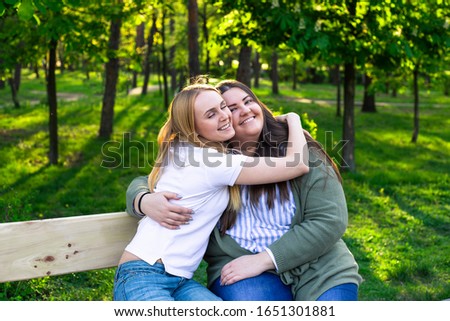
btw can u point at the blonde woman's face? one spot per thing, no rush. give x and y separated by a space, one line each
247 115
212 117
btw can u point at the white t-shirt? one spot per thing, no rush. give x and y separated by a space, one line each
202 177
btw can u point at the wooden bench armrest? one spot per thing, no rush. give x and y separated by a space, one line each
33 249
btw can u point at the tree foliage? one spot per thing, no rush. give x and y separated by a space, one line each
390 41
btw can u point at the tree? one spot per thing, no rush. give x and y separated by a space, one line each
18 48
245 65
172 51
52 102
194 63
423 40
149 51
164 59
338 90
111 74
256 70
139 45
336 34
368 104
274 72
205 15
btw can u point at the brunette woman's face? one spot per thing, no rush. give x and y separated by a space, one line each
246 114
212 117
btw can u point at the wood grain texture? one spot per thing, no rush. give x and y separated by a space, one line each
56 246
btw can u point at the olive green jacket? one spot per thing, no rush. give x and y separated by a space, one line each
311 256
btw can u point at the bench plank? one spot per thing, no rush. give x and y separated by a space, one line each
33 249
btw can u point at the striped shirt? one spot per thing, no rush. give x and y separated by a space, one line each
257 226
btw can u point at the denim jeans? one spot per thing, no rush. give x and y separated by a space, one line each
268 287
342 292
264 287
140 281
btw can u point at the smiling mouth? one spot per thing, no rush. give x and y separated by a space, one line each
225 127
247 120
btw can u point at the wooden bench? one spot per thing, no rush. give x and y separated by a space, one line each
34 249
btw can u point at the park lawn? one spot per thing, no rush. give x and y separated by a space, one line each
398 199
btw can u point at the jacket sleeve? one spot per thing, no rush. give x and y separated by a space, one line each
322 224
138 185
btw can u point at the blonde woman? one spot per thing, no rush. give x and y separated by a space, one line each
158 263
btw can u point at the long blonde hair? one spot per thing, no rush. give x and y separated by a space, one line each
180 127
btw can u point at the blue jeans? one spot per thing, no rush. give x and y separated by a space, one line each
268 287
140 281
342 292
264 287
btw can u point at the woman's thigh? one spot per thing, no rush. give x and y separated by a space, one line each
264 287
140 281
190 290
343 292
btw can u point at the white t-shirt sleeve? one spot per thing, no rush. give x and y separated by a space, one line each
222 169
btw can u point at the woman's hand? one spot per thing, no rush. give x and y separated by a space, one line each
288 117
158 208
245 267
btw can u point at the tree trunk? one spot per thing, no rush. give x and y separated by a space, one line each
194 64
12 85
44 66
61 57
206 36
150 41
334 74
17 76
256 70
446 86
85 65
139 43
338 88
416 106
52 104
181 80
348 132
294 74
274 72
158 72
164 60
244 72
394 93
368 105
36 70
111 77
172 69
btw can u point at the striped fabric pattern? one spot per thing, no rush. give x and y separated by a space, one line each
258 226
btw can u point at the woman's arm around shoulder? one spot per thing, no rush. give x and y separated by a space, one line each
264 170
156 206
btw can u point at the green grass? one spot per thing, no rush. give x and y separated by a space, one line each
398 199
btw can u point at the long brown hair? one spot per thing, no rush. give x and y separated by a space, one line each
272 142
180 126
